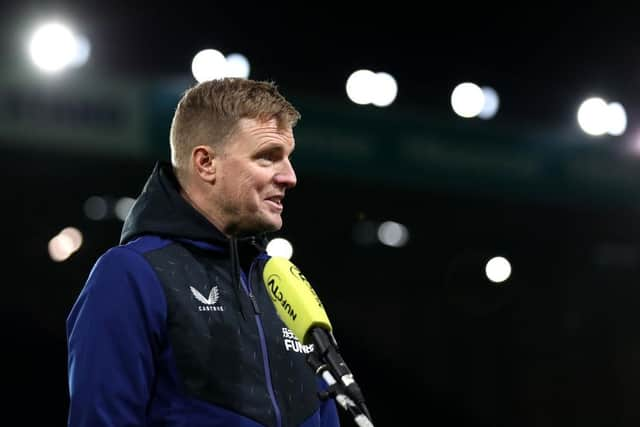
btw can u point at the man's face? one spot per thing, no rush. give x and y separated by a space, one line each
252 174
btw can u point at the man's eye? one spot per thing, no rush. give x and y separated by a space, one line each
265 159
270 156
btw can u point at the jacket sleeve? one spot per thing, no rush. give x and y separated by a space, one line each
328 409
328 414
114 332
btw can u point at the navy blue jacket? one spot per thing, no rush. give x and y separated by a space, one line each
174 327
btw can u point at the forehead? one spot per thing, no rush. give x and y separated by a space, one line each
264 129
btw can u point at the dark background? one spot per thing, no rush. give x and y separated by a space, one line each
431 342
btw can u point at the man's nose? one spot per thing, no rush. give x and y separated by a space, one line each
286 176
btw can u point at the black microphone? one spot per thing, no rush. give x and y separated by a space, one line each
327 348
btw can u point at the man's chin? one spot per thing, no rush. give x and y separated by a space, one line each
274 226
267 225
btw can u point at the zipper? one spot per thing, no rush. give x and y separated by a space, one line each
235 273
254 303
246 285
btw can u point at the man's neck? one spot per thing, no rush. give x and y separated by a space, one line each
195 199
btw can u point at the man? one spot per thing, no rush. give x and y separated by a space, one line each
174 326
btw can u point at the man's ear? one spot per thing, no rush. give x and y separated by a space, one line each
204 162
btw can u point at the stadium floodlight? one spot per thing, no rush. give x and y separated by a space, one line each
209 64
491 103
592 116
366 87
54 47
237 65
467 100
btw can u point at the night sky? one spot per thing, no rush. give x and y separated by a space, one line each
542 58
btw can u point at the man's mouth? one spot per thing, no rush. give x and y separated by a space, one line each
275 200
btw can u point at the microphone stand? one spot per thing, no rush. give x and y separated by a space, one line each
328 363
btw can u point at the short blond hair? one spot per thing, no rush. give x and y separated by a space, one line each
208 112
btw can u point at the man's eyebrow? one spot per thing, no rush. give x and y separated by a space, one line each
274 145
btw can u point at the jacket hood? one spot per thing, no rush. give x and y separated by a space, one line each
161 210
